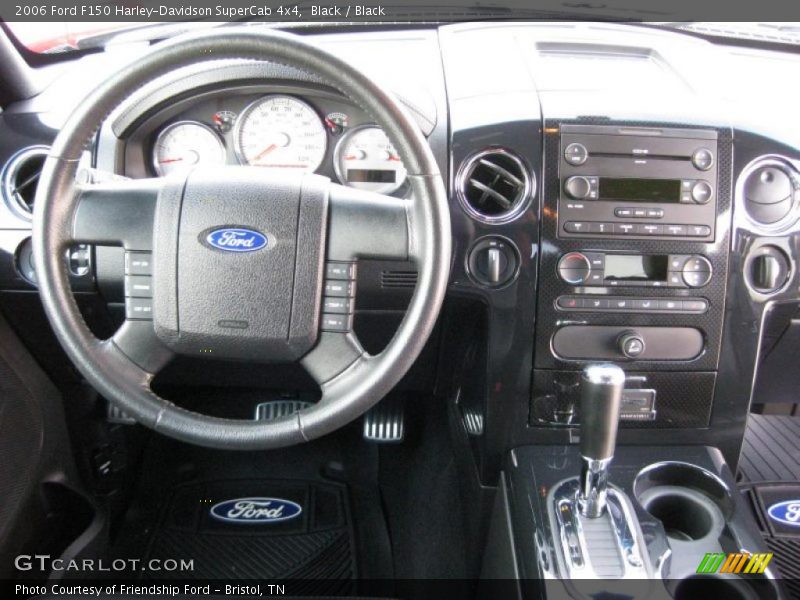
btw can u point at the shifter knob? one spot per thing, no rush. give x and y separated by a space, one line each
601 397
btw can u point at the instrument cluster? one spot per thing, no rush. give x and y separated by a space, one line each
281 132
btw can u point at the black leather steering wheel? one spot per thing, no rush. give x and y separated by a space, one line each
273 311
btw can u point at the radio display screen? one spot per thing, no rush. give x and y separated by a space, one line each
627 267
640 190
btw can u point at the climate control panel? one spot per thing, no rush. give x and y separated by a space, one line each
634 270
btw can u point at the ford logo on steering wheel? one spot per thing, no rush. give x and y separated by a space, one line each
236 239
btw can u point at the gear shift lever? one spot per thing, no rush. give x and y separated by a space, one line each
601 397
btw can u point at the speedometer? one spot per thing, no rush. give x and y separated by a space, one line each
183 145
366 159
281 132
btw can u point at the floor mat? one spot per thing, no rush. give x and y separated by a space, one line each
771 449
254 529
769 473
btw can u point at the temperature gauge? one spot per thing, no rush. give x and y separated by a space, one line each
185 144
223 120
366 159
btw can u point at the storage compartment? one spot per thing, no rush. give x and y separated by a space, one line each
755 587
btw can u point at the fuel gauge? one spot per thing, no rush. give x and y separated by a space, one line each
336 122
366 159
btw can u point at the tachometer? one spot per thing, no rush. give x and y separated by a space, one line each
185 144
366 159
281 132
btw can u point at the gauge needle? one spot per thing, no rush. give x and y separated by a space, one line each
393 157
169 160
265 151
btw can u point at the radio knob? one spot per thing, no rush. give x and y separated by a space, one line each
574 268
631 344
696 271
702 159
578 187
576 154
701 192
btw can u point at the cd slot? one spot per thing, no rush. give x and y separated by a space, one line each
638 156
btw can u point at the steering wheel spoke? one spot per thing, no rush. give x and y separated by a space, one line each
333 354
137 340
117 213
367 225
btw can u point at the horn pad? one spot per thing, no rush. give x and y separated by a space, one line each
238 264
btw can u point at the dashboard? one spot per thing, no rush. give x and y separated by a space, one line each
612 198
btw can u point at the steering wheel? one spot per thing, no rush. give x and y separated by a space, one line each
240 257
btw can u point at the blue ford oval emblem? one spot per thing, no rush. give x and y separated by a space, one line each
256 510
787 512
236 239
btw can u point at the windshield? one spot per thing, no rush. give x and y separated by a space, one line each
53 37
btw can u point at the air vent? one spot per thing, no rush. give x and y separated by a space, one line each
494 186
768 189
398 279
21 177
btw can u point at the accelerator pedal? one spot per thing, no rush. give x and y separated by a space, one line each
274 409
385 422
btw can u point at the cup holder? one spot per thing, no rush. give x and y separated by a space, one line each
691 503
686 515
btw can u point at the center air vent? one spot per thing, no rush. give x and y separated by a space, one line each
20 179
494 185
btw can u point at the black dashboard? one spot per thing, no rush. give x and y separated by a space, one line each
612 198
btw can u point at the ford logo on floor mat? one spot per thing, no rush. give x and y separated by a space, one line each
787 512
236 239
256 510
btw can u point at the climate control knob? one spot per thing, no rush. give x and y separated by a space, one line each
696 271
578 187
574 268
631 344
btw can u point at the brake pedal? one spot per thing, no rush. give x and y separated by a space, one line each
274 409
385 422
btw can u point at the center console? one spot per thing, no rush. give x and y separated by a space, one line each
633 269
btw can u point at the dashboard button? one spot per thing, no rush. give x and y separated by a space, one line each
338 323
139 309
602 228
675 230
640 213
576 154
698 305
624 213
340 289
338 305
645 304
597 260
138 263
675 280
595 303
699 230
655 213
621 304
650 229
631 344
138 286
670 305
624 228
340 270
576 227
696 263
569 302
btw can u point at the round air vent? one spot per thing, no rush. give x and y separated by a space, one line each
768 192
494 186
20 178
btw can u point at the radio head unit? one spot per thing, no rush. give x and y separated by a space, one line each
637 182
